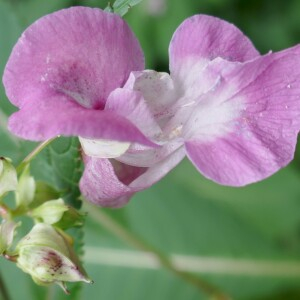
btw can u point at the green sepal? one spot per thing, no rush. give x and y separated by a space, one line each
8 176
26 189
7 233
57 213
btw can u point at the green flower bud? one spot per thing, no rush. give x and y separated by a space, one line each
8 176
46 254
7 232
26 189
56 212
50 212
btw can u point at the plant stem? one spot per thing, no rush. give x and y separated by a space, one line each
3 290
103 219
33 153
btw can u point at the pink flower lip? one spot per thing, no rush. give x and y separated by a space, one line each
62 71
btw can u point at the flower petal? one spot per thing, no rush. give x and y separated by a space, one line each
158 170
158 91
60 116
111 183
101 185
204 38
143 156
79 52
133 106
203 109
103 148
260 137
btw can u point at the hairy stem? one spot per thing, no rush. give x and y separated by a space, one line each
33 154
103 219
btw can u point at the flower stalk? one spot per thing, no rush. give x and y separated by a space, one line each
33 154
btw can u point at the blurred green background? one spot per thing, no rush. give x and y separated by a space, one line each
184 214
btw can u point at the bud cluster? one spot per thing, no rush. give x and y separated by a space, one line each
46 251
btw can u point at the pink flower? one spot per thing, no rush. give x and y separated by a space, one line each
234 113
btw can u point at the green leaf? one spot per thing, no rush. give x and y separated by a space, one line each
43 192
61 165
121 7
65 161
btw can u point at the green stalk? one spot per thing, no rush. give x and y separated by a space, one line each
33 154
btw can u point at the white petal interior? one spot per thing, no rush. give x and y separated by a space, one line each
157 89
103 148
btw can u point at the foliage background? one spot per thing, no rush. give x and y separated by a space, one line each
184 213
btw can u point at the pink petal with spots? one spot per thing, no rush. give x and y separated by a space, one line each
60 116
82 53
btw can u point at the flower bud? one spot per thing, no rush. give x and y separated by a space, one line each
8 176
47 256
50 212
7 232
26 189
56 212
